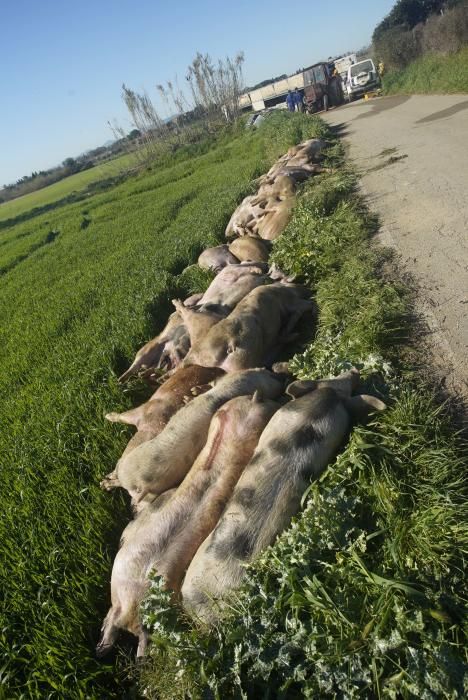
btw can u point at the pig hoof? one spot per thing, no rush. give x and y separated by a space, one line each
112 417
109 483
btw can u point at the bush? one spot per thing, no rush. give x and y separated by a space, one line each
447 33
399 45
432 73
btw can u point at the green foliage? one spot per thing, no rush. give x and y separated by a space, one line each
326 246
76 303
363 595
416 28
407 13
432 73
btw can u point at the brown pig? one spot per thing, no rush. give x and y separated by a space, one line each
276 218
161 463
249 248
264 319
164 539
303 172
281 187
308 152
244 219
216 258
151 417
296 446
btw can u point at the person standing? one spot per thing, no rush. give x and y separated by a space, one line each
290 101
298 101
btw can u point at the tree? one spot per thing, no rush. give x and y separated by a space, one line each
407 14
70 165
134 134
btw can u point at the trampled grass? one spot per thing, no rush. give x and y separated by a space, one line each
74 307
433 73
363 596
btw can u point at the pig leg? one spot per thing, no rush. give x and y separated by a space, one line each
171 357
109 632
143 640
111 481
148 356
131 417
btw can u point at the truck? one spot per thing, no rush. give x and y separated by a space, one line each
343 63
361 77
322 89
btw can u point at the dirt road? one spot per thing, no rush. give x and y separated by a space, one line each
412 153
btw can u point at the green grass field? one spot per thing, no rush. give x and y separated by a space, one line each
65 187
82 287
363 596
433 73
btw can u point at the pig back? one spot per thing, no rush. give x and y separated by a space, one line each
297 444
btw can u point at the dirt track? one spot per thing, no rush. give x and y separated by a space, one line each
412 153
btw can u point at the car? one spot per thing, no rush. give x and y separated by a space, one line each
360 78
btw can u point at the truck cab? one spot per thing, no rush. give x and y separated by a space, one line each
322 89
360 78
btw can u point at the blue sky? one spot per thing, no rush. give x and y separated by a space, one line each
63 62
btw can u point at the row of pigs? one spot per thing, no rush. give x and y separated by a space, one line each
225 448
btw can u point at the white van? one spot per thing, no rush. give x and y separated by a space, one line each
360 78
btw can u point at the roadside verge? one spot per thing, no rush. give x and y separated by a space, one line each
364 592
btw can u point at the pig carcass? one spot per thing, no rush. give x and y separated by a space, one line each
299 442
151 417
250 249
228 288
216 258
164 539
276 218
281 187
243 221
169 348
260 323
172 344
161 463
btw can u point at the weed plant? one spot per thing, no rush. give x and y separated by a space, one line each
433 73
363 595
74 308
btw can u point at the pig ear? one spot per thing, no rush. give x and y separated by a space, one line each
301 387
360 406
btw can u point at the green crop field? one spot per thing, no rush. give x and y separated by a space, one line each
363 596
67 186
82 286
